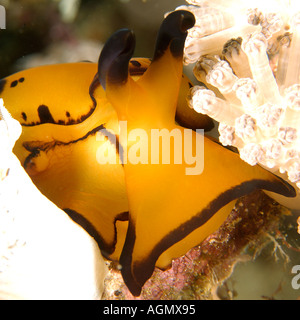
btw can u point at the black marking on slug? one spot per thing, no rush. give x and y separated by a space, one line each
14 84
24 116
137 71
45 114
135 63
136 68
114 58
46 146
118 72
173 32
93 86
64 122
28 161
34 147
114 139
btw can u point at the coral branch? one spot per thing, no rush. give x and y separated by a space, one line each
255 47
293 68
205 101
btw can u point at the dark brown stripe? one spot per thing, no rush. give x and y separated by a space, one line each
47 117
24 116
114 139
14 84
34 147
68 122
93 86
135 63
45 114
126 261
137 71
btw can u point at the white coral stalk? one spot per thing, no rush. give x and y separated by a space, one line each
255 47
236 57
43 253
283 60
205 101
246 91
293 68
217 73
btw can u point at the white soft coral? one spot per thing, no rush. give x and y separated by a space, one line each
258 112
